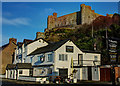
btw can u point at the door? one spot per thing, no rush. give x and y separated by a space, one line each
105 74
89 73
80 59
63 73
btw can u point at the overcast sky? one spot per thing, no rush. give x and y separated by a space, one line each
22 20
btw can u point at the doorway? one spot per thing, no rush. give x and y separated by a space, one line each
63 73
89 73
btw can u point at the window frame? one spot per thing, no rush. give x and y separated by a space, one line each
20 71
68 50
49 57
95 59
63 57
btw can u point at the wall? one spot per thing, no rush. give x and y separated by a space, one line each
37 44
62 50
70 19
25 72
11 74
7 55
35 59
24 51
89 58
85 15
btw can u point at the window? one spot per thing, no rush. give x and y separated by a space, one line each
20 71
95 58
41 58
50 71
63 57
49 57
66 57
60 57
31 59
69 49
31 72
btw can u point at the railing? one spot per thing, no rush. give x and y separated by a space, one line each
85 62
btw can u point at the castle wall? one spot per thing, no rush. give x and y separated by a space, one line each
86 15
70 19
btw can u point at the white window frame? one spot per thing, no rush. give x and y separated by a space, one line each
63 57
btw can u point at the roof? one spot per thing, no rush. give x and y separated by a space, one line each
19 44
11 66
24 65
26 41
19 66
37 39
49 47
4 46
90 51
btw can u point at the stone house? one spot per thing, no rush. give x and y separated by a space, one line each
7 54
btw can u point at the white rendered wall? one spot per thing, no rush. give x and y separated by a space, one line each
37 44
90 58
25 72
62 50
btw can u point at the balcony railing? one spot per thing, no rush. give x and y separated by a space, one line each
86 62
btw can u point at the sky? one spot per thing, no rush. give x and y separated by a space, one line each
21 20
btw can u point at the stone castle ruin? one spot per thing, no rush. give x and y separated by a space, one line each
85 15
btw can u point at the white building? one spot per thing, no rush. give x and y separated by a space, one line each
60 58
26 47
57 57
14 71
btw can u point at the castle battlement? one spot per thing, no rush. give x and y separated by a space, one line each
85 15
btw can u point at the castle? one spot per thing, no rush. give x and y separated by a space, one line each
85 15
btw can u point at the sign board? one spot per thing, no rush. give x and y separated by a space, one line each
112 50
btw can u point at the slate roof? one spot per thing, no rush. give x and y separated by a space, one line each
26 41
19 66
90 51
55 46
37 39
11 66
23 65
49 47
4 46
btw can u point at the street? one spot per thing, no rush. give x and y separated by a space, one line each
6 82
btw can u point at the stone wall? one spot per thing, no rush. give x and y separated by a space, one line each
85 15
40 35
7 54
66 20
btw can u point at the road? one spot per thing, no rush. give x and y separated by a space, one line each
24 83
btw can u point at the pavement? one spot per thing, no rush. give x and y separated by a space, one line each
9 82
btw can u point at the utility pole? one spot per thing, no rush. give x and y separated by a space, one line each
92 30
94 44
106 38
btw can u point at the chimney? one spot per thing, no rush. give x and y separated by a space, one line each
55 15
12 40
40 35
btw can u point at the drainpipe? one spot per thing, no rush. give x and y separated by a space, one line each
54 60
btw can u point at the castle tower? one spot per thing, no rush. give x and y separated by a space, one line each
87 14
